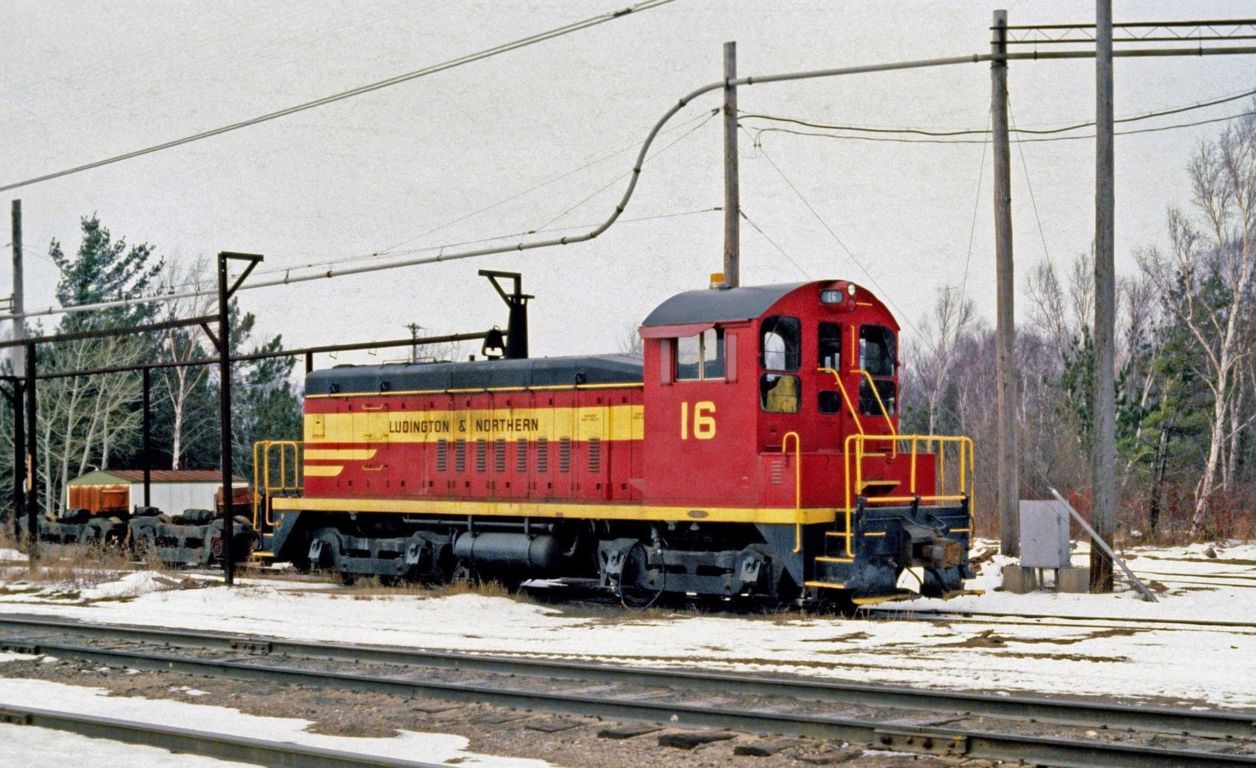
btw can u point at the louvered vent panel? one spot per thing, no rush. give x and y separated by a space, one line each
564 455
595 455
521 455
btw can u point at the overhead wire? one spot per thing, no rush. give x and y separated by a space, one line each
972 231
1042 235
626 174
850 254
543 228
758 132
387 250
486 53
986 131
774 244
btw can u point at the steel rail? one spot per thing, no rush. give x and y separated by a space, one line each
1057 711
969 742
1170 624
243 749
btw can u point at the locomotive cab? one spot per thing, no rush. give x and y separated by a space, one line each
779 404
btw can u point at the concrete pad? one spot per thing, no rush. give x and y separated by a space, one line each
1018 580
1073 580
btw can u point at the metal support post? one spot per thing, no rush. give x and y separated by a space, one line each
732 195
19 321
146 448
1103 448
1008 485
19 453
32 464
517 322
309 363
225 292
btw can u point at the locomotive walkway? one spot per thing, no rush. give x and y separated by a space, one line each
1034 730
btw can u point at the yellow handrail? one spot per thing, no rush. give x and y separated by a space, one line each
845 397
797 485
854 453
262 486
880 403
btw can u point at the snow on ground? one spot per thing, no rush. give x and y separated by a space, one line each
24 745
1174 663
1195 587
11 554
41 694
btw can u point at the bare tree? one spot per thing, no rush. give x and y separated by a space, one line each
180 345
944 327
1207 273
630 342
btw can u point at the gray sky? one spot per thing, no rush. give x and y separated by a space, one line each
394 168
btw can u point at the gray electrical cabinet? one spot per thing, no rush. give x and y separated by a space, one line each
1044 534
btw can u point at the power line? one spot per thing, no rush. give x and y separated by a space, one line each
513 45
839 137
774 244
1042 235
553 179
838 240
972 231
981 132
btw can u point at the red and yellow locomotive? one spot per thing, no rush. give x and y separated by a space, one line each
753 451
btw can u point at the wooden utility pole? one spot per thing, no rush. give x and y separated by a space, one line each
1103 448
1008 487
732 201
18 354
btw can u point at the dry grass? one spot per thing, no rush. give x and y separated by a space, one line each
74 566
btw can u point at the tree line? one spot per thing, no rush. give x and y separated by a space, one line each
1186 367
95 421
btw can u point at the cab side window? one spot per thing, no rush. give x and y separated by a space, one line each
780 349
700 356
878 355
781 343
877 351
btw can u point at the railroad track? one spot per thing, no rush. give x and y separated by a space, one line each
1051 619
1034 730
240 749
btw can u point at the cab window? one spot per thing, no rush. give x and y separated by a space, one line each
870 401
829 342
700 356
877 352
779 393
780 349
